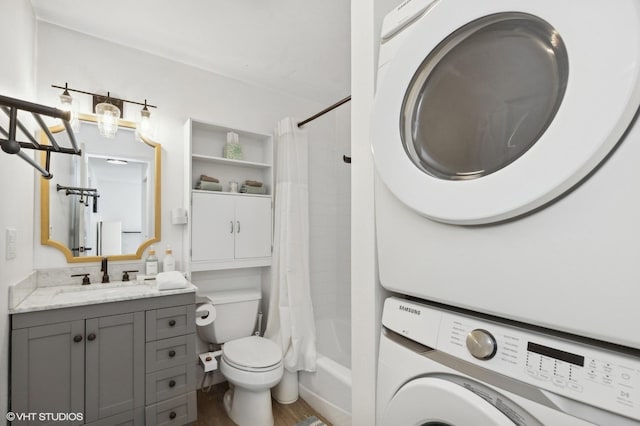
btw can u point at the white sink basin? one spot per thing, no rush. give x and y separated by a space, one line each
101 287
97 292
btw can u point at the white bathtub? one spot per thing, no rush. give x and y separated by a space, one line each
328 390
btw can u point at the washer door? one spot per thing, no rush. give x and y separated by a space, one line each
429 401
491 109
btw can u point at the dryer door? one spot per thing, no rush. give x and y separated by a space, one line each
491 109
429 401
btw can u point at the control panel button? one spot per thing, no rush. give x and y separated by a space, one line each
574 387
481 344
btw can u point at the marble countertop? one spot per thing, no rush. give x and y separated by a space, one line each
65 296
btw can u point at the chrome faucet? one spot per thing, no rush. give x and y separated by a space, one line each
104 270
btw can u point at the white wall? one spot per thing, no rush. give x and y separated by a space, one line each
179 91
366 20
17 34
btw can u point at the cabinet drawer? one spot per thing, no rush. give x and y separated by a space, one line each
170 322
171 352
177 411
169 383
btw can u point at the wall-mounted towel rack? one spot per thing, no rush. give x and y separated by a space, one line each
84 193
10 145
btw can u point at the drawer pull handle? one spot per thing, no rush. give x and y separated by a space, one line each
172 323
172 415
77 338
91 337
172 353
172 383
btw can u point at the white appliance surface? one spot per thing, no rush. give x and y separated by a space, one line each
426 373
549 237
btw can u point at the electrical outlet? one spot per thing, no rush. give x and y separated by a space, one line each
10 249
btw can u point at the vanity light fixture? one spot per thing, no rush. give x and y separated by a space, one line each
108 115
109 110
67 104
116 161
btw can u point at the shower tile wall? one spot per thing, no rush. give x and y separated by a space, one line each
329 214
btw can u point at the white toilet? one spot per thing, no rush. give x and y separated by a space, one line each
251 363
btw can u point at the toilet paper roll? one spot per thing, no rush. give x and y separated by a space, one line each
205 314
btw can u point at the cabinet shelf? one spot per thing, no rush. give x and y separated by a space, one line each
235 194
228 161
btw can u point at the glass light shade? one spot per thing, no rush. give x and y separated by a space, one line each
144 125
108 116
66 104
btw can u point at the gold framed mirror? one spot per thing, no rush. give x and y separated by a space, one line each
106 202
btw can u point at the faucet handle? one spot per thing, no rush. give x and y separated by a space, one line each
85 280
125 275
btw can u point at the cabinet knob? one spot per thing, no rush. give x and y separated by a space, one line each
91 337
77 338
172 383
172 415
172 323
172 353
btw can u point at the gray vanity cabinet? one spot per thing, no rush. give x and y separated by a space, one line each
92 360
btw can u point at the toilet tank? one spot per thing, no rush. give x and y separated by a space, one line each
236 315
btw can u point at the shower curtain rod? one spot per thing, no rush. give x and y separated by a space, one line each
324 111
345 158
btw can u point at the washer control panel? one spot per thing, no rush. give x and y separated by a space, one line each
593 375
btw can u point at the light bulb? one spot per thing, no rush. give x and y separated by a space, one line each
67 104
108 115
144 126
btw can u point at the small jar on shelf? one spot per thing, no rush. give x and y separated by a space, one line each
232 149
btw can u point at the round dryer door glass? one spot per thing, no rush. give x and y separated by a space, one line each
484 96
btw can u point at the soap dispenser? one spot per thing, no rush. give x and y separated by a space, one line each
151 263
168 263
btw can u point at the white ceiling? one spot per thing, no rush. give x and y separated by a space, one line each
301 47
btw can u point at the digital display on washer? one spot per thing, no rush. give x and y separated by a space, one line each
556 353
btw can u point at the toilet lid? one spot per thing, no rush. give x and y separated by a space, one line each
252 352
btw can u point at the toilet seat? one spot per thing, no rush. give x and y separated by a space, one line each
252 353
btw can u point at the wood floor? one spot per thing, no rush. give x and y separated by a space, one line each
211 411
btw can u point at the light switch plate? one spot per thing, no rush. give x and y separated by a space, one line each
10 249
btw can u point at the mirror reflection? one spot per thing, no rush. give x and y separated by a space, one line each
106 201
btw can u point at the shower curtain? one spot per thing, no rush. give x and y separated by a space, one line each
290 322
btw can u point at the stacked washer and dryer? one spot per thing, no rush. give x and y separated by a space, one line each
506 148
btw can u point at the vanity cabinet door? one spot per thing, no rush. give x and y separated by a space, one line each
115 370
47 370
213 227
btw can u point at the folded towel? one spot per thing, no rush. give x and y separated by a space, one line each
255 183
209 186
253 190
171 280
206 178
